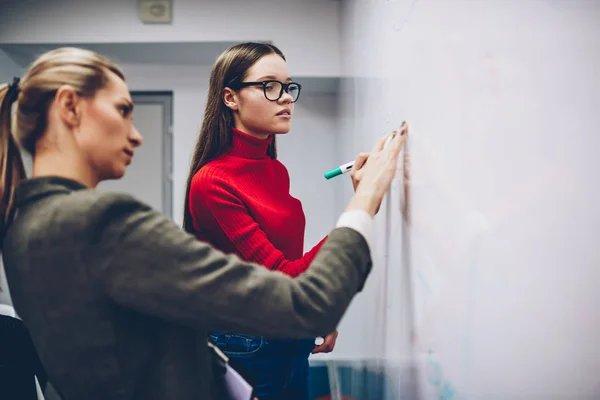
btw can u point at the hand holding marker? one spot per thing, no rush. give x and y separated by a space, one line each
342 169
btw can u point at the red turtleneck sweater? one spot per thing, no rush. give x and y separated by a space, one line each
241 203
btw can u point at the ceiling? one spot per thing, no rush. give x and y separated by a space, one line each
191 53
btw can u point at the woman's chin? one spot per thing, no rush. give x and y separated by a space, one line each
281 130
280 126
118 172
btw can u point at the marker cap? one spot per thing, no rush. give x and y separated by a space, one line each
333 173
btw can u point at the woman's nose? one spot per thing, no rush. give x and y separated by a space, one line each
135 137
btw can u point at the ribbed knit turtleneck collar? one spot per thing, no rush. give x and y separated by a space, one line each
246 146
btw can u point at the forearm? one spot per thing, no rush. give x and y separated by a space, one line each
320 296
364 201
158 269
311 305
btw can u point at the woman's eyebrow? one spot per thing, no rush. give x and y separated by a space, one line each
273 77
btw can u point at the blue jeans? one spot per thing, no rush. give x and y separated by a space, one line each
276 368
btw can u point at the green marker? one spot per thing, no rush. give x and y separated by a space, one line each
342 169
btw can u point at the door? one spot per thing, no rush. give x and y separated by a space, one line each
149 176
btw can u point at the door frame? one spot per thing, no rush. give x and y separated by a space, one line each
164 98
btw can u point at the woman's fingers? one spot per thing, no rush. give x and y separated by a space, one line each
360 160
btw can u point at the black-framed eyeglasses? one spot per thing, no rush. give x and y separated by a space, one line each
273 89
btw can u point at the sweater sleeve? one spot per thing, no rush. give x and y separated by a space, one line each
215 208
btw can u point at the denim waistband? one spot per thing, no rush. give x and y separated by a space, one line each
269 340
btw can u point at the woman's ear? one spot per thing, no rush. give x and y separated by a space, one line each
230 98
69 105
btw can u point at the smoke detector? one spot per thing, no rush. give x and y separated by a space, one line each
156 11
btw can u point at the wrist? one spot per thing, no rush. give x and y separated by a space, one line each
368 202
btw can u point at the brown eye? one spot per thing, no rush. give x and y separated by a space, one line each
125 110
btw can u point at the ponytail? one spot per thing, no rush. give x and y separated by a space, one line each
12 170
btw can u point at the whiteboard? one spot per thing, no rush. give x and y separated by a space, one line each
488 288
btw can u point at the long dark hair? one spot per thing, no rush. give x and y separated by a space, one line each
215 134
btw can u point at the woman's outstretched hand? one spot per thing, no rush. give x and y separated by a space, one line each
373 172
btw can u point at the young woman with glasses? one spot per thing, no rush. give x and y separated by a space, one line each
238 199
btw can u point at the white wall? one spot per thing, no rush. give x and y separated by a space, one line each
502 98
308 30
8 68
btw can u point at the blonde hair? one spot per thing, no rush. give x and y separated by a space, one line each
85 71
